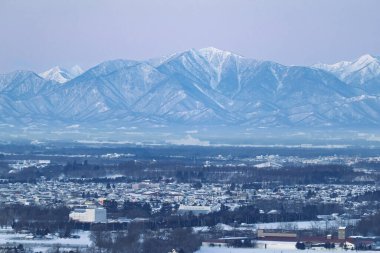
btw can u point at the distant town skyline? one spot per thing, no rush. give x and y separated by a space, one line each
37 35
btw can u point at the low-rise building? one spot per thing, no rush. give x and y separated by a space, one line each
90 215
196 210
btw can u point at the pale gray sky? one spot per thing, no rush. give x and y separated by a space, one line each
40 34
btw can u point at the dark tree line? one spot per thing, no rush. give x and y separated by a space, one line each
128 209
36 219
369 225
369 196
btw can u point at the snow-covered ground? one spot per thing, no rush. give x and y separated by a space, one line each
8 236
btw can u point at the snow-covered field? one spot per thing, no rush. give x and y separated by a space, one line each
7 236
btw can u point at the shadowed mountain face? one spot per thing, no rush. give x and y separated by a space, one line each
198 87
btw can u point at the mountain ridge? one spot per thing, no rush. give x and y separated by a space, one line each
199 87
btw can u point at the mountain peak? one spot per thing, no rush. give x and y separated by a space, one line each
367 58
212 51
61 75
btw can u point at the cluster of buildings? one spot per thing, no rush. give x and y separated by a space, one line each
204 199
301 239
343 237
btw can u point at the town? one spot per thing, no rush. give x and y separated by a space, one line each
294 198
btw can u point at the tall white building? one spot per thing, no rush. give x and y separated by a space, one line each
91 215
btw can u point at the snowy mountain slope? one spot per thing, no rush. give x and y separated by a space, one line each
372 86
256 90
137 89
198 87
356 72
107 89
61 75
23 85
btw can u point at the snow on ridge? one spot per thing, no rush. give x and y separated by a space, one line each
357 71
210 52
61 75
367 58
360 98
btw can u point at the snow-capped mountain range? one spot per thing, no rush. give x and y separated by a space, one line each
197 87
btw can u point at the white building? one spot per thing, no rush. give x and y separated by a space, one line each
91 215
342 233
196 210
